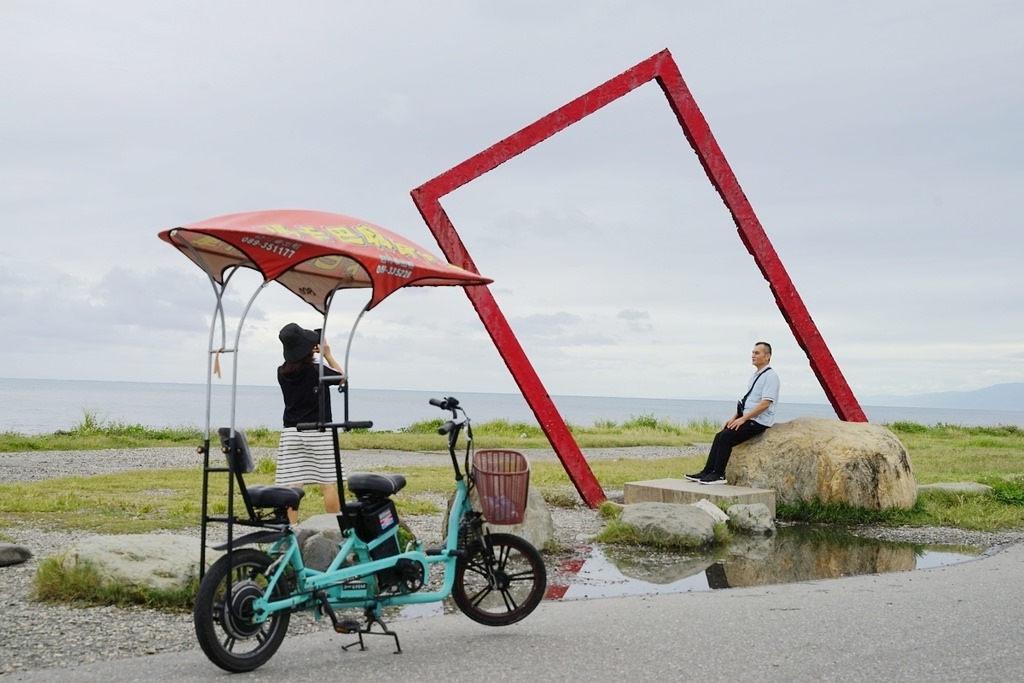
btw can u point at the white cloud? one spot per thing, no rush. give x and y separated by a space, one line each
879 145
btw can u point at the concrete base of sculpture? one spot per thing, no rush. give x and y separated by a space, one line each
686 491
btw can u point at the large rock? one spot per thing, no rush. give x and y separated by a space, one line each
159 561
829 461
688 523
13 554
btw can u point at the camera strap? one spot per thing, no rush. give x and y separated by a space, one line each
743 401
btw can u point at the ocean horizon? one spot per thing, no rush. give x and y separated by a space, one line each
34 407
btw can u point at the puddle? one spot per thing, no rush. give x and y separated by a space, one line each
792 555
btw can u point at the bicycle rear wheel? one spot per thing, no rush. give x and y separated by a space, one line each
501 581
223 620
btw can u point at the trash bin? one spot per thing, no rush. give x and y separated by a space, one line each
502 480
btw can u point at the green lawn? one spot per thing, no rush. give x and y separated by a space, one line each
169 499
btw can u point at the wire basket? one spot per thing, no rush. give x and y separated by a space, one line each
503 481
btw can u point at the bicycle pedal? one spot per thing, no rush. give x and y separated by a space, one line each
347 626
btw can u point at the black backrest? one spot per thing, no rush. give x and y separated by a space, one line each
238 455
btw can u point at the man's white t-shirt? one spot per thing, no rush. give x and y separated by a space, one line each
764 385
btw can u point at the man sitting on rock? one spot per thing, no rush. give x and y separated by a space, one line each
762 394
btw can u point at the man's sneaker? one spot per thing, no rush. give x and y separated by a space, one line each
713 479
695 477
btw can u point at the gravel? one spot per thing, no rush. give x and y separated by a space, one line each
36 635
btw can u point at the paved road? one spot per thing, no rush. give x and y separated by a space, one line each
954 623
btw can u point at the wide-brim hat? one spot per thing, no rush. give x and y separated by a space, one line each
298 342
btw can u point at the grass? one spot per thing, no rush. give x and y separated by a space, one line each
139 502
82 586
92 434
645 430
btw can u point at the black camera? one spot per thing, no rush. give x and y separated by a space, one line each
739 408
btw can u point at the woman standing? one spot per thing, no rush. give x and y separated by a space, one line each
306 457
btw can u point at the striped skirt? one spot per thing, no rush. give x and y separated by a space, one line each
305 458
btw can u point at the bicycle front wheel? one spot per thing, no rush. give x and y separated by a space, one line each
501 581
223 616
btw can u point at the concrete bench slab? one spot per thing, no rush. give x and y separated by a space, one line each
689 492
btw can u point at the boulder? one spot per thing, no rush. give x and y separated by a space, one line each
11 554
155 561
828 461
671 520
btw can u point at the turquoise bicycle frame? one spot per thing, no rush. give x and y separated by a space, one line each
356 585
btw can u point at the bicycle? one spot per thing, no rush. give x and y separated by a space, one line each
246 599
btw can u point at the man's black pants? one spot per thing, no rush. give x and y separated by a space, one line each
721 447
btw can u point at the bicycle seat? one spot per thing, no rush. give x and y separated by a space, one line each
240 461
367 483
275 496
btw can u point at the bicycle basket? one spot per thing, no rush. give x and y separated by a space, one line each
503 480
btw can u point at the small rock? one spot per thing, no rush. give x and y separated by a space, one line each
753 518
716 512
957 487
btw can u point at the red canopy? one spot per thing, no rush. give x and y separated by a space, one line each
314 253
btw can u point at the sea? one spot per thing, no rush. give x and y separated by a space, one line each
33 407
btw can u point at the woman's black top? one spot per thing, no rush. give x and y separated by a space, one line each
301 398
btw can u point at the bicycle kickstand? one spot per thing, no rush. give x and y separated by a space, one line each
371 619
346 626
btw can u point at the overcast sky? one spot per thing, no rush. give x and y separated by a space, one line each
879 142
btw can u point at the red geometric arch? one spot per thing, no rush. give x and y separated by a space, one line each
662 68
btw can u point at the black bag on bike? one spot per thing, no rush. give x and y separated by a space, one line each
373 518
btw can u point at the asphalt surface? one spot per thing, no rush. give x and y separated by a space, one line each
953 623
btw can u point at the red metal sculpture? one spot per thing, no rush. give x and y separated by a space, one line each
662 68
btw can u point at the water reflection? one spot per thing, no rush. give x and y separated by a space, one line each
794 554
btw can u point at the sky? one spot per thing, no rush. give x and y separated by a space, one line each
879 143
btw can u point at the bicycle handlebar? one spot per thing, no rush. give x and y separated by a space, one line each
453 427
448 403
344 426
